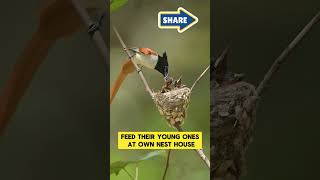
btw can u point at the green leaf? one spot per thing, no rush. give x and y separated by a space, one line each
117 166
117 4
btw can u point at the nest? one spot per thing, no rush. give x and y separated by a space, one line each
233 114
173 104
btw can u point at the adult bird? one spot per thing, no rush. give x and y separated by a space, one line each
143 57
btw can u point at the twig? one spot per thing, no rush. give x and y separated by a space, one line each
96 36
196 81
199 151
131 177
135 65
280 60
137 172
167 165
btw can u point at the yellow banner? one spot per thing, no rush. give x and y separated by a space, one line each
159 140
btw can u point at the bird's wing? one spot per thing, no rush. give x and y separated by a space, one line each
147 51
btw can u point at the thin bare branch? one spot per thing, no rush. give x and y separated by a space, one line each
96 36
167 165
280 60
199 151
196 81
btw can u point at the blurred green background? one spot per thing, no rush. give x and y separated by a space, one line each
285 144
133 110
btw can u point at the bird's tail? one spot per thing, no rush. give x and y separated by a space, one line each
127 68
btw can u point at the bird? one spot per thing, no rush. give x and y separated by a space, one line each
146 57
221 73
167 85
178 83
143 57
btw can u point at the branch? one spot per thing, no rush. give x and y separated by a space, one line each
199 151
96 35
280 60
196 81
167 165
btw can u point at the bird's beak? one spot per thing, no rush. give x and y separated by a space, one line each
178 80
133 51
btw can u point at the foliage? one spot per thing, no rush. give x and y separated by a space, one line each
117 4
117 166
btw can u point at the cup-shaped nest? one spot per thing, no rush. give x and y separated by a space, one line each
173 105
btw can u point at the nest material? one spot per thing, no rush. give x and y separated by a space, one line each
173 105
233 113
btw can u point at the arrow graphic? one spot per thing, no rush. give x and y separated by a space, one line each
180 20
